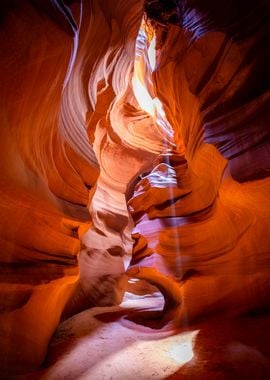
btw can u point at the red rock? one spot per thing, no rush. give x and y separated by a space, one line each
109 154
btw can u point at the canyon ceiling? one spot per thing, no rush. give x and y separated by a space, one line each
131 131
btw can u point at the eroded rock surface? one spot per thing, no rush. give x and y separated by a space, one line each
124 136
202 221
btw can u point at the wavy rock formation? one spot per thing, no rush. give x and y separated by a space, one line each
128 136
202 231
45 179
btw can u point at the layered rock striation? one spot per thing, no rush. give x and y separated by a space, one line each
202 215
128 136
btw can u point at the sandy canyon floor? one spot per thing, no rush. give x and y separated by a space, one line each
103 344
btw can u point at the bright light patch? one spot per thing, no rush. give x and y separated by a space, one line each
152 53
142 85
142 95
182 352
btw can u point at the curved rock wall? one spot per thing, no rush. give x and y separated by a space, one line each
202 230
90 119
68 117
45 179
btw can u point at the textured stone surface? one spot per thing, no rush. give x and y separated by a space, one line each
44 180
113 147
102 344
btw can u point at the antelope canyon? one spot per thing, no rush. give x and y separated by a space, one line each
135 189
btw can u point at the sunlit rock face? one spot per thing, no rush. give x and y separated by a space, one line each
202 216
112 126
69 117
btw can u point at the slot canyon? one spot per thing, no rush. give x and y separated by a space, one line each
135 189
